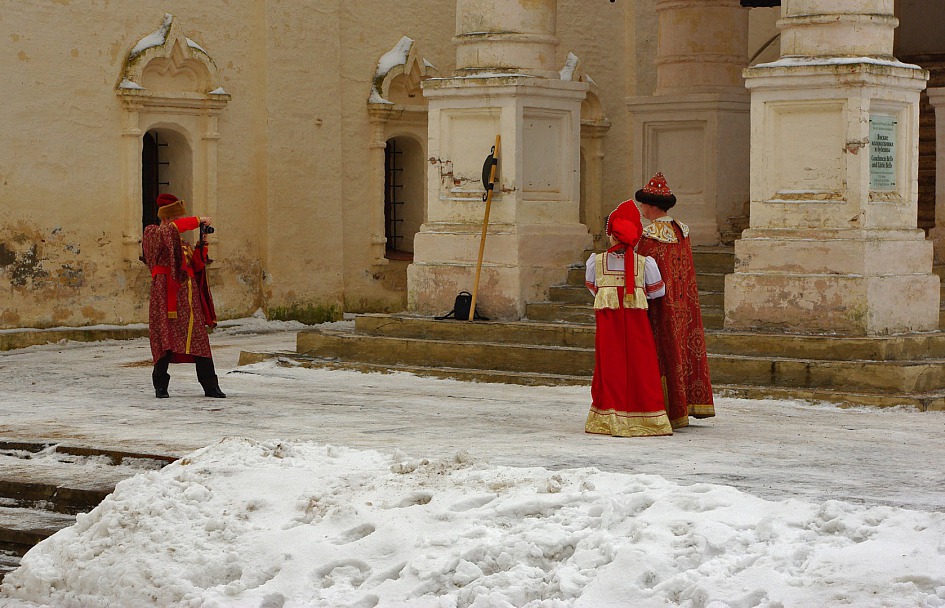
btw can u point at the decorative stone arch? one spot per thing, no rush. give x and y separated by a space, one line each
169 83
396 109
594 126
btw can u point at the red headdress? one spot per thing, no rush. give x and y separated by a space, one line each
624 225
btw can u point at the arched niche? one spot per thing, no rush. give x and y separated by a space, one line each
398 112
169 85
594 127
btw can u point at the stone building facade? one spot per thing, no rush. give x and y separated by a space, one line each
338 147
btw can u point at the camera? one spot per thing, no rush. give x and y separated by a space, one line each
206 229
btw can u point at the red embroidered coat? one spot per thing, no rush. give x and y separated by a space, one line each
676 320
177 317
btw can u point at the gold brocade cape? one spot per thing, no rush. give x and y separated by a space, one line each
662 230
676 321
609 280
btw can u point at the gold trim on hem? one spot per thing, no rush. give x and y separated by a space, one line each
701 410
627 424
190 323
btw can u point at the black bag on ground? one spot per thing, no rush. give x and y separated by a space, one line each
461 308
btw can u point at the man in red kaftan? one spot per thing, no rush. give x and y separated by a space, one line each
180 306
626 394
676 319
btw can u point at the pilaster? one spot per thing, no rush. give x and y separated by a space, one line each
937 234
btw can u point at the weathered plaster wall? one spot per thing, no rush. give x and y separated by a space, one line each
368 29
60 163
293 199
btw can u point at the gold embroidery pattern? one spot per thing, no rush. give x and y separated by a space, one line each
627 424
662 230
701 410
609 280
190 323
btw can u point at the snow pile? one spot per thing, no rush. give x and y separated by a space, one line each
293 524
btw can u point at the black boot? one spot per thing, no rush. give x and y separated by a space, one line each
160 385
212 389
160 377
208 378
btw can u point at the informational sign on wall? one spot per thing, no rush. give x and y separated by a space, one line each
882 153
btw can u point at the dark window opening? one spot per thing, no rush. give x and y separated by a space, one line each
393 202
152 170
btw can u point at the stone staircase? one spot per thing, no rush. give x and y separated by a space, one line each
572 301
43 487
555 346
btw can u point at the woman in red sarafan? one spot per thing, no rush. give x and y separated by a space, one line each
626 394
676 318
180 307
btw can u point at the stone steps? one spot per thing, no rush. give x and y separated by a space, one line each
451 373
923 402
21 338
548 312
43 486
505 356
565 300
865 370
899 348
555 345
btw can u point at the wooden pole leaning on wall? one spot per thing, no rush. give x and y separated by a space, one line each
488 180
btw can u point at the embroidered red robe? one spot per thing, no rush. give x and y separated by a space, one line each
177 317
676 320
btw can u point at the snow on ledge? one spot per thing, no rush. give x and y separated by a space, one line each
156 38
787 62
570 67
196 46
397 56
128 84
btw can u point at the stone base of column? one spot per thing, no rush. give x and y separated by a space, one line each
937 237
701 143
520 263
855 282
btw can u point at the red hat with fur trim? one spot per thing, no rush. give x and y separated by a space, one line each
169 206
624 224
657 193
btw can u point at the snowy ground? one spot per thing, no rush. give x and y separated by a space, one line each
342 489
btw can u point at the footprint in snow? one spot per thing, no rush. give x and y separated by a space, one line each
417 498
473 502
356 533
342 573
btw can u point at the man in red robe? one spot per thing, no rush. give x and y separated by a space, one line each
676 318
180 307
626 394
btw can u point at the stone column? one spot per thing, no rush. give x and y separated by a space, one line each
937 234
505 84
506 36
131 134
833 244
378 117
695 128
